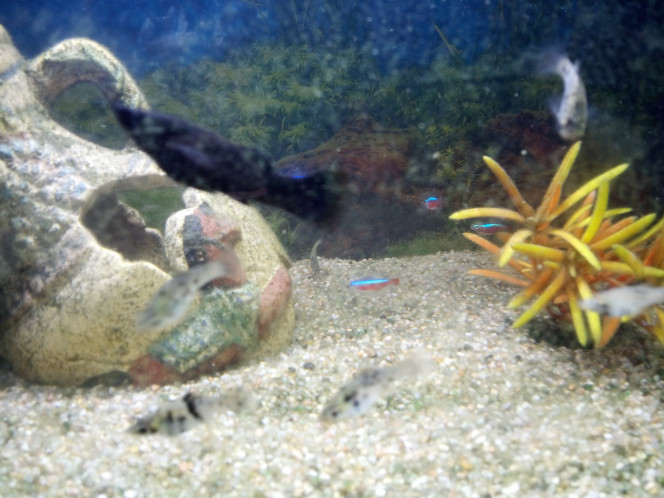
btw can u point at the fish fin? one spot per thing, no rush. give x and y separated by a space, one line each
553 103
205 160
316 197
193 155
420 362
548 60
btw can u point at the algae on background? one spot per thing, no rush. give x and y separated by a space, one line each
82 109
428 243
287 99
154 205
276 98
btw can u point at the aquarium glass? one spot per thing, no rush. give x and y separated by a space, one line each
225 210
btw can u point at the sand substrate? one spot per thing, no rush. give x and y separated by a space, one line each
504 412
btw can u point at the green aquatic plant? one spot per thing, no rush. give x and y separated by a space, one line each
254 105
154 205
427 243
295 133
82 109
561 261
282 99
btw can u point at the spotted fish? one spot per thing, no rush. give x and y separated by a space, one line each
179 416
629 300
371 384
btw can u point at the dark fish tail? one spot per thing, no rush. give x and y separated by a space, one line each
315 197
195 156
205 160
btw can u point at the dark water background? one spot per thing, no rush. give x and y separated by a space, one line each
620 46
397 34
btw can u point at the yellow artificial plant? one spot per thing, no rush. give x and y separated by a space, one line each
562 260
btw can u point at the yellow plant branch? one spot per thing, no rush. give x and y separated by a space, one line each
598 212
624 234
652 231
507 250
521 205
631 259
487 212
593 318
482 272
542 300
585 189
539 252
534 288
552 195
577 319
580 247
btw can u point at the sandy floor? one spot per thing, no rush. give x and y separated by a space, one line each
504 413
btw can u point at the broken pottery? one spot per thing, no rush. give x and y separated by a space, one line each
76 264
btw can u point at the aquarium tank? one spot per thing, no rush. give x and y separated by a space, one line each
331 248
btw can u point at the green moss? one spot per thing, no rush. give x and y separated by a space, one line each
155 205
282 99
428 243
82 110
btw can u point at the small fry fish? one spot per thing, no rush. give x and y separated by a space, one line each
489 228
313 258
373 284
370 384
624 301
179 416
571 109
171 302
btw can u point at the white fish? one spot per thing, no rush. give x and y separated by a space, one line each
171 302
571 109
179 416
370 384
624 301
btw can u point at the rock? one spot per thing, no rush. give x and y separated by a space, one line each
234 316
77 264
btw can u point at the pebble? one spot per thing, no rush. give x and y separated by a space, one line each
537 429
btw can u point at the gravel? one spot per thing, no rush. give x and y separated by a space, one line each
505 413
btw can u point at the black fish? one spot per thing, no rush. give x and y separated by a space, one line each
205 160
